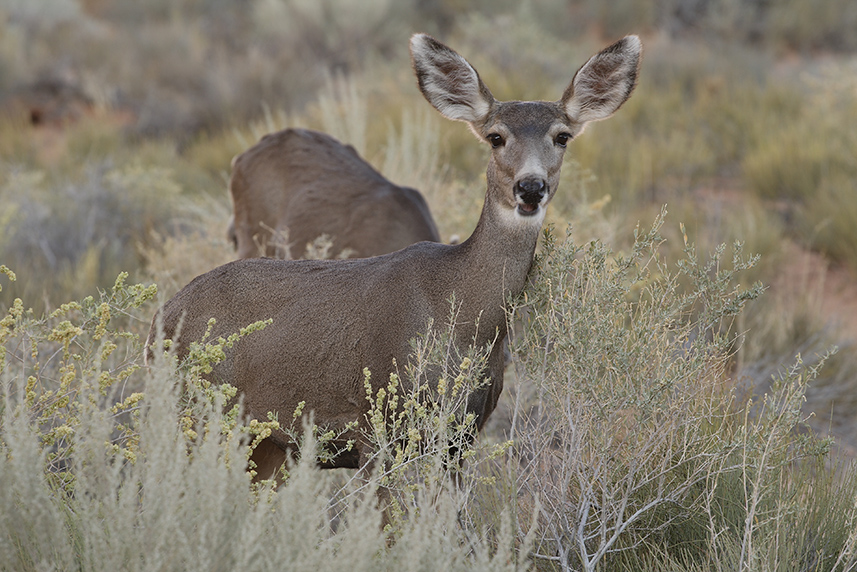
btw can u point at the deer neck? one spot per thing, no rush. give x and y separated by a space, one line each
497 257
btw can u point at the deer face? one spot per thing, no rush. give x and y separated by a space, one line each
528 138
528 141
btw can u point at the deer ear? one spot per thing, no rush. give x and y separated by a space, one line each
604 83
448 82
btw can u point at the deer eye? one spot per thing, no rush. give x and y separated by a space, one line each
562 139
495 140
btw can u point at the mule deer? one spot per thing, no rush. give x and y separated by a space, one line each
332 318
302 184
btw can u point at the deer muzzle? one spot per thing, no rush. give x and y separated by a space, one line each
530 193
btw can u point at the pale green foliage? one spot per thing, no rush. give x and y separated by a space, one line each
631 439
176 493
420 428
79 234
64 365
810 162
629 446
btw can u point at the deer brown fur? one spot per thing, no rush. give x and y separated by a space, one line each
332 318
300 184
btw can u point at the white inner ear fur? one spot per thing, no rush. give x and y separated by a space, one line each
449 82
604 82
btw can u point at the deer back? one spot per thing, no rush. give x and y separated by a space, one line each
301 184
330 320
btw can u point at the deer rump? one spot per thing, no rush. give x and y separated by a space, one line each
302 184
331 320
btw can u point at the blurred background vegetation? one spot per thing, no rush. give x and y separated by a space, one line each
118 121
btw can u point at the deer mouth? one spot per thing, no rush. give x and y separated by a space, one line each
527 209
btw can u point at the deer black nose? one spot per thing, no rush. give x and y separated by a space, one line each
531 190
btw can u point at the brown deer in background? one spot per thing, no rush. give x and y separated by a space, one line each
332 318
295 185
